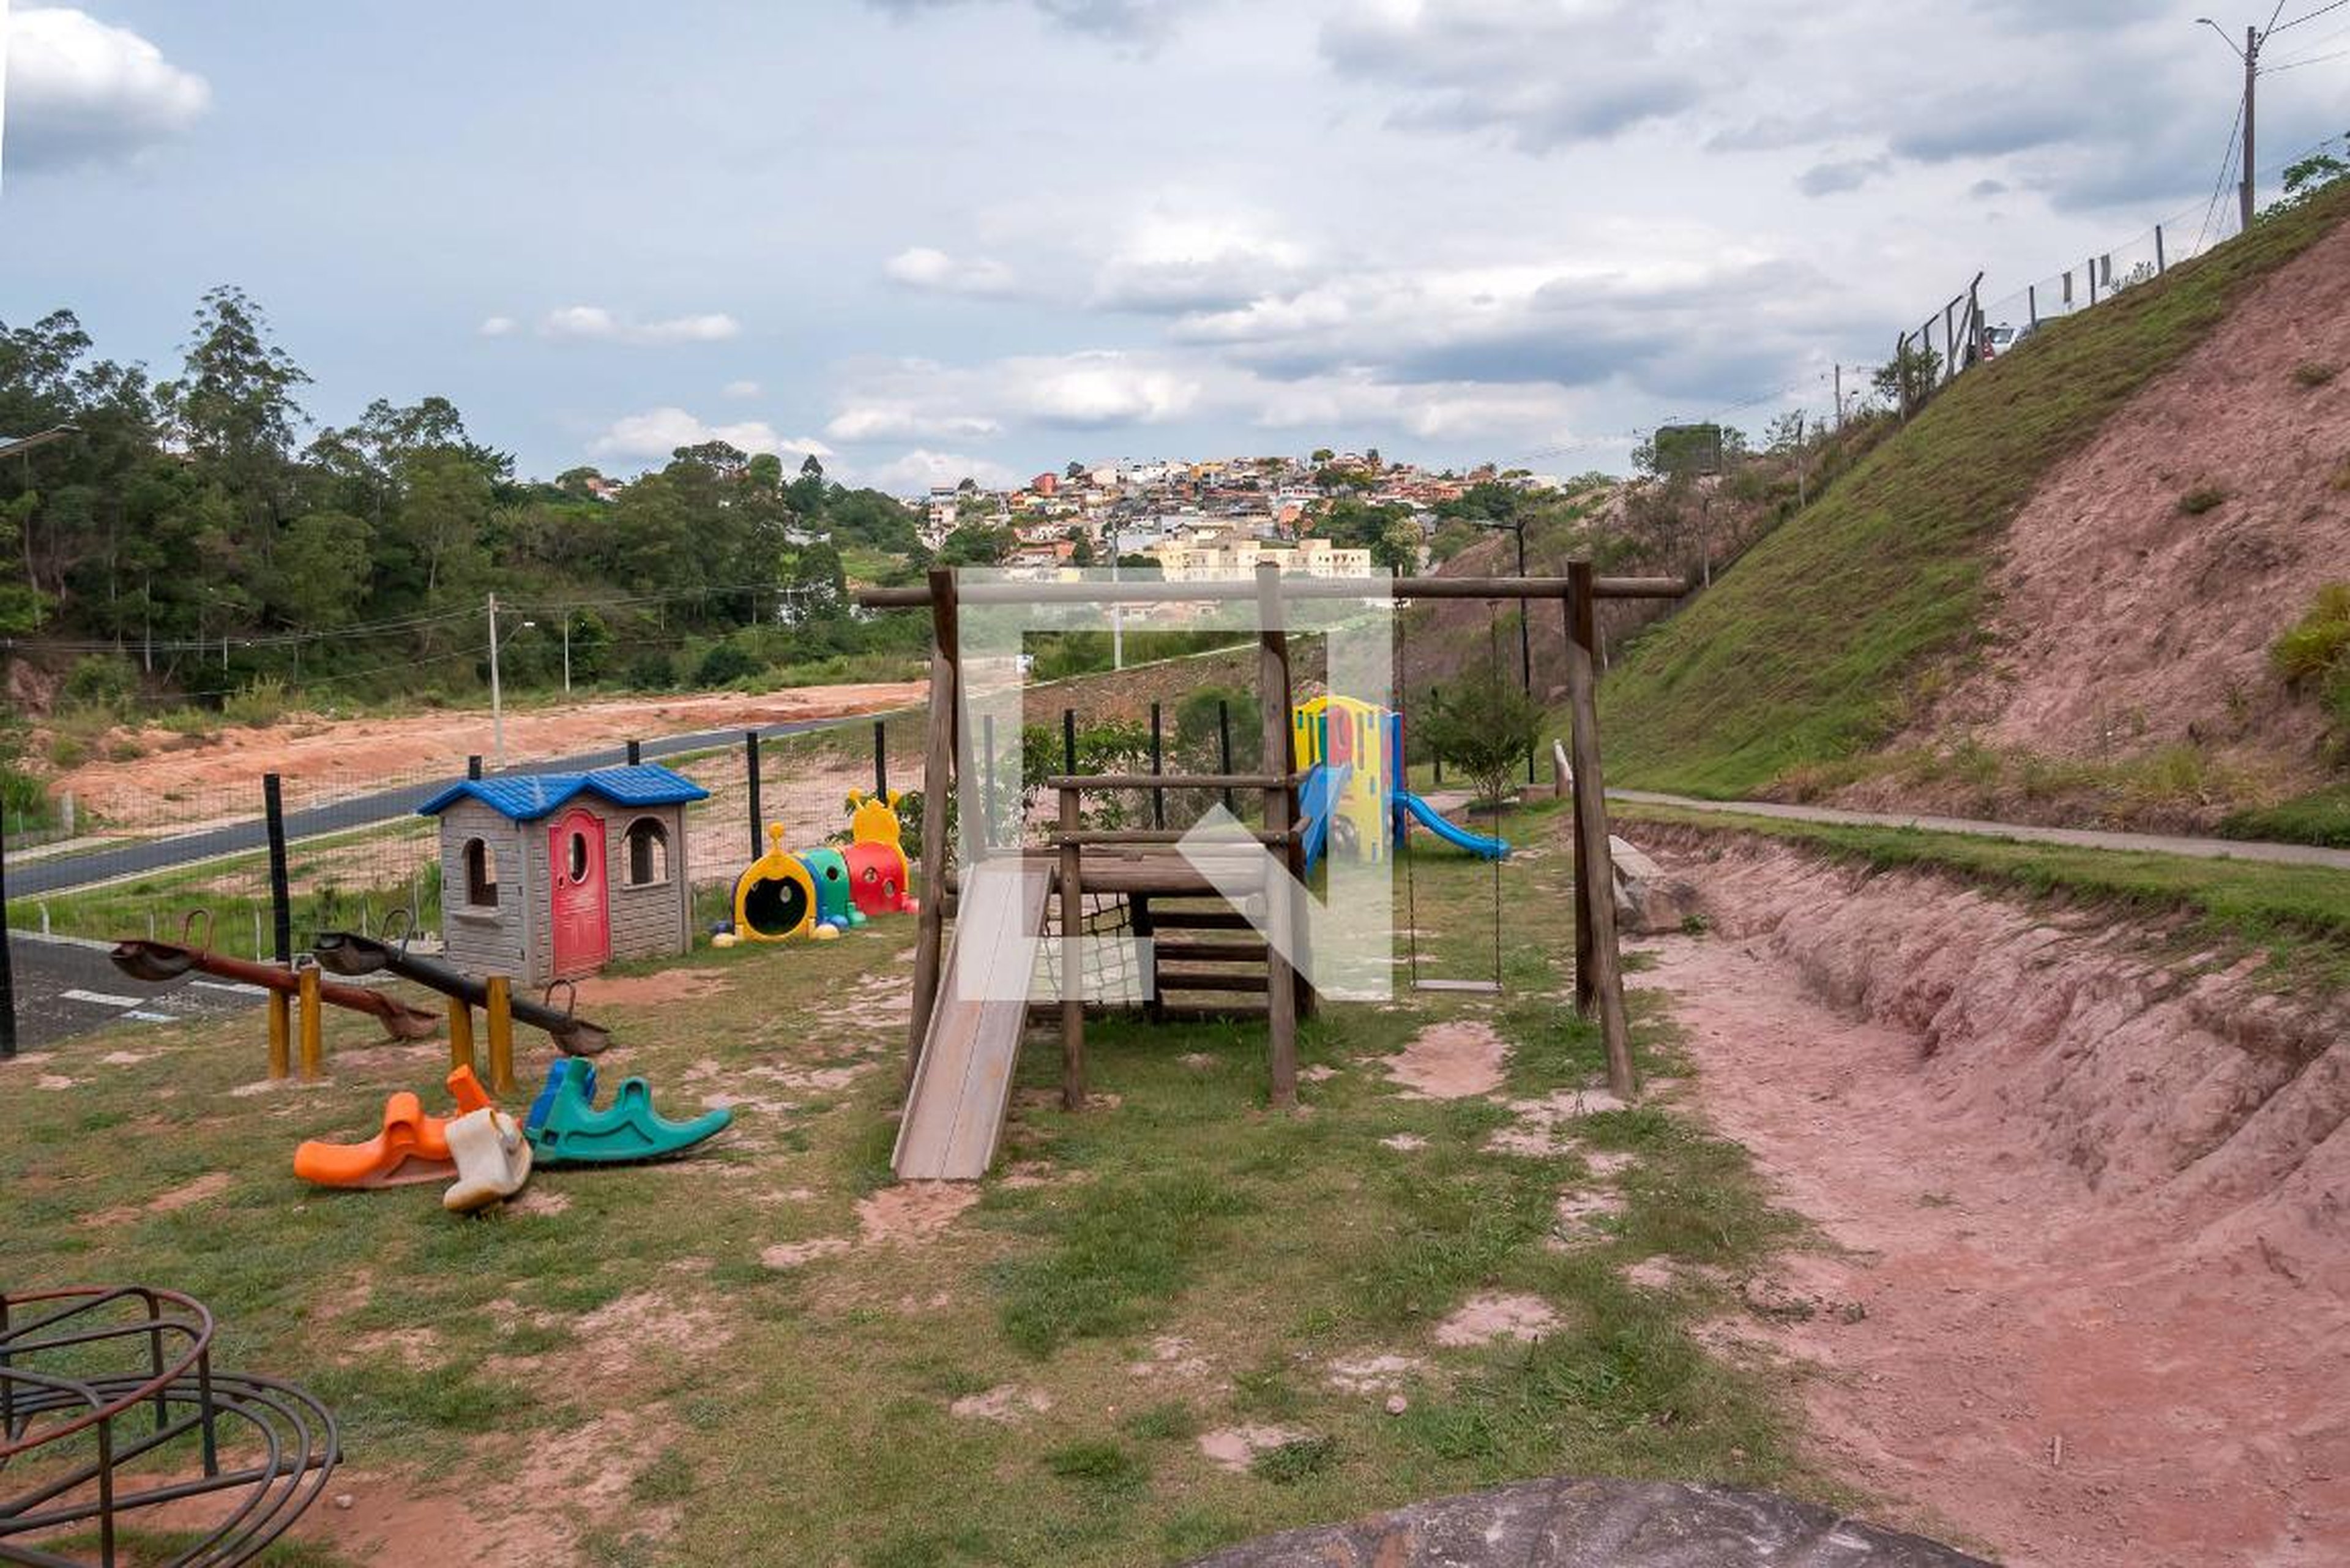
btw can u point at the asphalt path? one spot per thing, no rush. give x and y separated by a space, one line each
58 873
67 988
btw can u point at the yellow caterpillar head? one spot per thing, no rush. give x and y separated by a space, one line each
873 820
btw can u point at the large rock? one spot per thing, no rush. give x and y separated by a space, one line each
1649 898
1598 1523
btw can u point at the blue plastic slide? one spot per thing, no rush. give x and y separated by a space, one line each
1315 798
1476 843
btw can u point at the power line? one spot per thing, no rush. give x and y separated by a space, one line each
2305 60
2305 17
2227 157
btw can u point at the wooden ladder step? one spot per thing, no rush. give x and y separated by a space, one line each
1180 979
1208 953
1163 918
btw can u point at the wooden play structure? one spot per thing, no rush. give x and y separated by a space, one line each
961 1049
548 876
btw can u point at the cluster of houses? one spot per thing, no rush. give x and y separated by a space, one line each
1193 520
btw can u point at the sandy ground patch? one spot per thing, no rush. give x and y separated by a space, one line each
1406 1142
210 1185
1542 1130
908 1214
1171 1356
1451 1060
1497 1315
653 989
1237 1447
1006 1403
1373 1372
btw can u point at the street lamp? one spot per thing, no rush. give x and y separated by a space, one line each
12 445
1517 526
497 693
2251 55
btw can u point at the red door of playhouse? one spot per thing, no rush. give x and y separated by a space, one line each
583 928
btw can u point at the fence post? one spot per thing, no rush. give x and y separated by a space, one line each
2093 280
1435 757
474 766
1158 767
1224 745
2032 303
273 803
1068 740
882 760
751 769
636 752
7 966
2160 265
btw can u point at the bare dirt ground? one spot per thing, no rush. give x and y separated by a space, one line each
2083 1300
2126 623
317 755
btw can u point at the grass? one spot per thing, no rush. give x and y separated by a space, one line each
1806 652
739 1411
2299 916
2319 816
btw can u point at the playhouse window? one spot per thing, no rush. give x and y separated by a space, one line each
481 874
648 853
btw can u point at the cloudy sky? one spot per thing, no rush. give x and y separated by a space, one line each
932 238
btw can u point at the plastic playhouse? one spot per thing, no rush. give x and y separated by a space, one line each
1353 796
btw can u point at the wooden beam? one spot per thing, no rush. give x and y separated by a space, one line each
1147 590
1272 700
1111 835
1595 866
937 789
1167 781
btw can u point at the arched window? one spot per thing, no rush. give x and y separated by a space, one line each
481 874
648 853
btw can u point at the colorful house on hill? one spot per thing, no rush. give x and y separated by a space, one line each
548 876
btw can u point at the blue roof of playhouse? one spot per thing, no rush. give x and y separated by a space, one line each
527 797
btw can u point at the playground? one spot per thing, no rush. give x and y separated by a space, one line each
1170 1321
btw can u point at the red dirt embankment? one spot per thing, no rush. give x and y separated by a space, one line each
313 752
2093 1301
2125 622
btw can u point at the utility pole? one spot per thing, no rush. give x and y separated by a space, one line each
2252 79
567 653
497 697
1839 397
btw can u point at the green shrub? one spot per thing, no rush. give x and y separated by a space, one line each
101 681
67 752
2314 647
2310 373
260 705
727 664
2202 499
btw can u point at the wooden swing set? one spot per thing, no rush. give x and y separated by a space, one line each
1141 864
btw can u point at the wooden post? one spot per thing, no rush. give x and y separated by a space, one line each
460 1034
1273 697
7 961
1073 975
1596 869
937 789
281 1035
636 752
1068 740
882 760
2160 265
499 1007
314 1053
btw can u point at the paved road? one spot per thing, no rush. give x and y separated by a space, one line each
2079 838
68 987
60 872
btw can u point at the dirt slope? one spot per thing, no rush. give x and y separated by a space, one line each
2082 1292
2124 623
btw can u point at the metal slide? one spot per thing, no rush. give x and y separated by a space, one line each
962 1086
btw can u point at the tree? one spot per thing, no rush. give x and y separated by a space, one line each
1081 547
321 570
232 408
2307 177
1396 551
1322 454
1486 727
977 544
1908 378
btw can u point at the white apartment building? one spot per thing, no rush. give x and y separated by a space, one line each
1229 555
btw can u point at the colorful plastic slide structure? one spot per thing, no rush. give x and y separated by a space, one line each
1353 798
411 1146
821 892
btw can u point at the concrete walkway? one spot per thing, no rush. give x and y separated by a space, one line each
2077 837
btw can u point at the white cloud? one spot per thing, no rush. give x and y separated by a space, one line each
657 432
936 272
920 469
1180 258
741 388
499 326
594 323
79 91
897 422
1135 23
